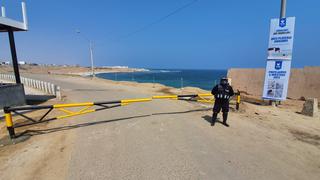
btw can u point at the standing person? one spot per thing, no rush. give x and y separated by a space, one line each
222 92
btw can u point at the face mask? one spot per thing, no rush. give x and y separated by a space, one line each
224 82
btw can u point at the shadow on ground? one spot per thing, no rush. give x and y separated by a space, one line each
38 99
69 127
209 119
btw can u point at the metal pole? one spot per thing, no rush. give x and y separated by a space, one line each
283 8
91 58
282 15
3 11
24 14
14 57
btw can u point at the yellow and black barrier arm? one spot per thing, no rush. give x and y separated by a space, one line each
87 108
206 98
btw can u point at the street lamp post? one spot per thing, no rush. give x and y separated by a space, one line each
91 53
283 8
91 59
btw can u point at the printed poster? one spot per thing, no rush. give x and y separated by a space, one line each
276 79
281 38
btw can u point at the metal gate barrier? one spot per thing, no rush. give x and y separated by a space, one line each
88 108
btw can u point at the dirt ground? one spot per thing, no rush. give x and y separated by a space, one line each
260 138
29 157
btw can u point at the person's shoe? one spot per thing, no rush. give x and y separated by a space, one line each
226 124
212 124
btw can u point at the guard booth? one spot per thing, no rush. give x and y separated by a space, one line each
13 94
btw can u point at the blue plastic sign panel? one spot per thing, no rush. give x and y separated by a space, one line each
281 38
276 79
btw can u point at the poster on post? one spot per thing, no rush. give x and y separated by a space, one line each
276 79
281 38
279 59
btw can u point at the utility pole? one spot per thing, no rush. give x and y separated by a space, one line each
91 58
91 52
283 9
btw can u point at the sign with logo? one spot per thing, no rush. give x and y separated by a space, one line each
279 58
281 38
276 80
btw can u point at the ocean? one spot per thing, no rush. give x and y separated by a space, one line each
204 79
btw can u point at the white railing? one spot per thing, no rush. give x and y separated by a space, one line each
43 86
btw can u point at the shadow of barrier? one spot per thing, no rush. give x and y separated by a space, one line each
89 107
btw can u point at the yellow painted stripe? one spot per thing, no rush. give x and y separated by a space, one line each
73 105
76 114
8 118
66 111
85 108
124 101
165 97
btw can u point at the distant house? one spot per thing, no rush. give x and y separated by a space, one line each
22 63
5 63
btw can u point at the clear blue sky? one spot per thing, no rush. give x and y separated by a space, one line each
210 34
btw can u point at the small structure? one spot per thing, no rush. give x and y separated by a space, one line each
10 26
22 62
13 94
310 107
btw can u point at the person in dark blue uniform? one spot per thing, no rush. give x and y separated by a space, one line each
222 92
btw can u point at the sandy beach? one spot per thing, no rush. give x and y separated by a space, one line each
163 139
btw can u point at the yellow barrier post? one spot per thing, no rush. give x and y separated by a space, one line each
238 100
9 124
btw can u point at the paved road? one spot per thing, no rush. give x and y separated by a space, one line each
158 140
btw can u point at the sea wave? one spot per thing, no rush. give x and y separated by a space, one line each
165 71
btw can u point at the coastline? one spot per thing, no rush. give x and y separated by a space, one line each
155 87
67 70
112 70
85 72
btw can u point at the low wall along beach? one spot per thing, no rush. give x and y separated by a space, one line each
304 82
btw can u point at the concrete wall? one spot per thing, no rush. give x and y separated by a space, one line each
12 95
303 82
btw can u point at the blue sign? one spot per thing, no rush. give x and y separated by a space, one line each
283 22
278 65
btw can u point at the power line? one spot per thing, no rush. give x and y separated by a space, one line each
147 26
